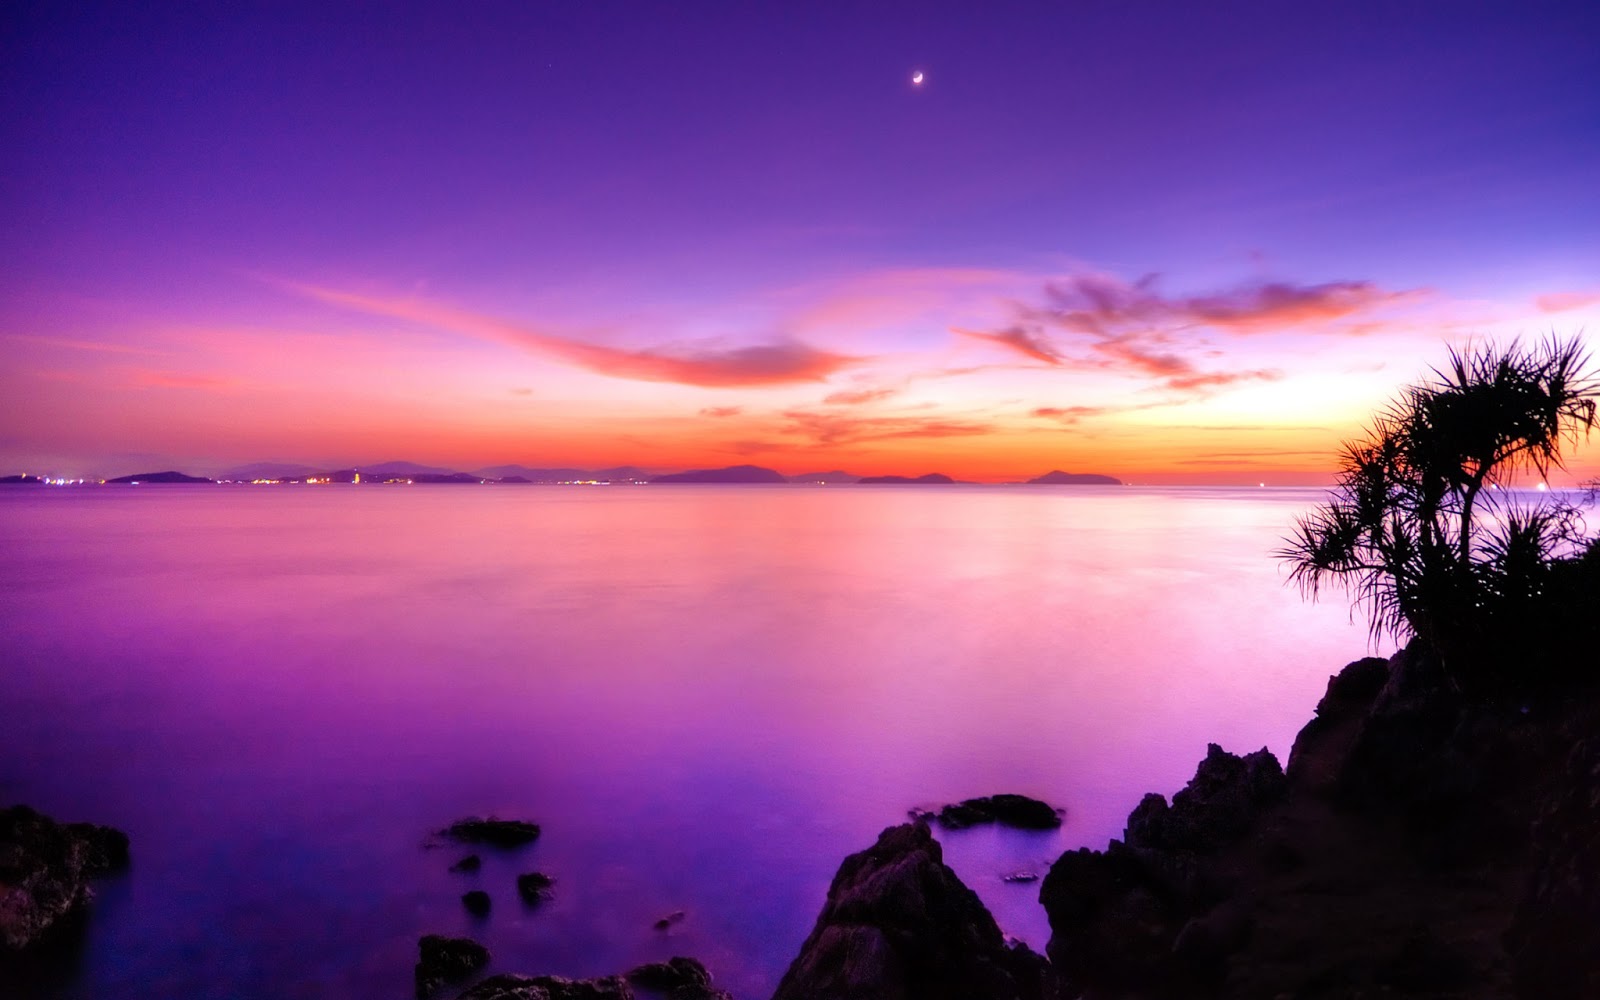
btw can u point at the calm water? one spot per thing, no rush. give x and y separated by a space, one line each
707 696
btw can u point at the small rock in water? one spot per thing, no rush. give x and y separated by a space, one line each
1017 877
476 902
496 832
1008 810
676 916
534 887
447 960
470 863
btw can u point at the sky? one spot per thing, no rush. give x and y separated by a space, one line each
1171 242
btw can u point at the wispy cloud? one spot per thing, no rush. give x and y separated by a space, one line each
835 428
149 379
1566 301
858 397
721 411
1027 343
710 364
96 346
1070 414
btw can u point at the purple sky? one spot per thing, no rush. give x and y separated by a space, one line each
670 234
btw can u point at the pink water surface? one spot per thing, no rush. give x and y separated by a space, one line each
707 696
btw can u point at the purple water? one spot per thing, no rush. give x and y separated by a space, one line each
707 695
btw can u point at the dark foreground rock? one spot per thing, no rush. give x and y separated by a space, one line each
899 923
679 978
1008 810
1415 846
45 868
447 960
511 987
494 832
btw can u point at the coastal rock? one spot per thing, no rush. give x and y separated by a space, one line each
1555 936
1008 810
477 902
679 978
899 923
1215 809
512 987
470 863
45 869
494 832
1332 878
675 917
446 960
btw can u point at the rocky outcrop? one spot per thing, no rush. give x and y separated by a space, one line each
477 902
1555 937
1387 859
494 832
512 987
1008 810
45 868
446 960
678 978
899 923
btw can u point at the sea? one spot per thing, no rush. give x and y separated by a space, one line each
706 695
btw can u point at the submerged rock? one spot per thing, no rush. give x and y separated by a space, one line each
495 832
675 917
446 960
476 902
45 869
1008 810
512 987
470 863
899 923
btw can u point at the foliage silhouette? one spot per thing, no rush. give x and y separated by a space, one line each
1425 530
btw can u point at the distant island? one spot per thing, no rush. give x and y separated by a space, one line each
413 473
836 476
1059 478
731 474
164 478
931 479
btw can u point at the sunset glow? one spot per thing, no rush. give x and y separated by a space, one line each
667 240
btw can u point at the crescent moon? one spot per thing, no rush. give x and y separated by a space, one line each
917 77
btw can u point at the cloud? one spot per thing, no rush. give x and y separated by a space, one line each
721 411
1070 414
705 364
1028 344
179 380
1101 323
856 397
1214 380
1566 301
86 345
834 428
